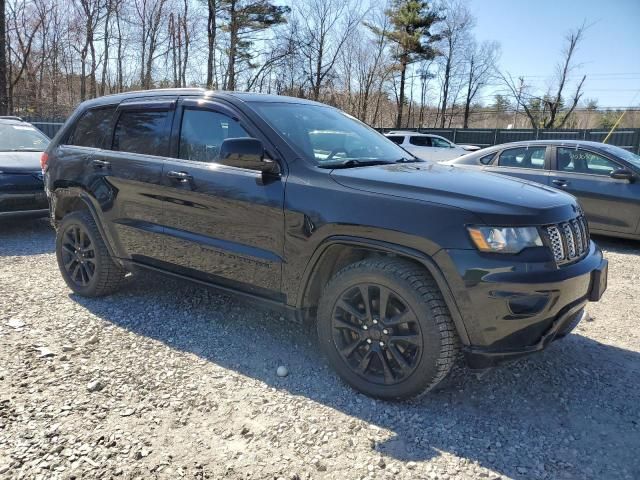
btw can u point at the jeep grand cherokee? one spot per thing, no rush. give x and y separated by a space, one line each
402 263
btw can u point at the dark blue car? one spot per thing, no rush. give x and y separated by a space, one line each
604 178
21 186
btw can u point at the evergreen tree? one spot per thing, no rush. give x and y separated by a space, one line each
411 22
246 18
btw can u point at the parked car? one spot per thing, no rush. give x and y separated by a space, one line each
603 177
402 263
21 187
429 147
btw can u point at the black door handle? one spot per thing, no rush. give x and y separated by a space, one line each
179 176
101 164
560 182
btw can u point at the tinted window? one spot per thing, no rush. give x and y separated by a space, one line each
141 132
420 141
523 157
203 132
583 161
297 123
440 143
396 139
92 127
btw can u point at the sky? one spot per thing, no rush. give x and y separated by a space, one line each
531 34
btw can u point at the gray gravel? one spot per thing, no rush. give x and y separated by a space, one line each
170 380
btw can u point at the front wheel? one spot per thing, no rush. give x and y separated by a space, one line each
385 328
83 257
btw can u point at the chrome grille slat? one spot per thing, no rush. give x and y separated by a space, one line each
569 241
569 238
556 243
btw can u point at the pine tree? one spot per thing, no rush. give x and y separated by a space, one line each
411 22
246 18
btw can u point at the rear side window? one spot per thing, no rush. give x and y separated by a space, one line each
420 141
396 139
91 128
523 157
141 132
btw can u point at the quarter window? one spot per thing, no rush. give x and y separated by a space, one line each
523 157
583 161
202 133
91 128
141 132
420 141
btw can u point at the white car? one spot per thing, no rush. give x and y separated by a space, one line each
429 147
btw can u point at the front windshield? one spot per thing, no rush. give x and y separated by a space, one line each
630 157
328 136
21 138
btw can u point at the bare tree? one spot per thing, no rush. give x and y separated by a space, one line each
326 26
455 35
481 66
550 110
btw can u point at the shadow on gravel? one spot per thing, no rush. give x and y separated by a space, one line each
26 237
569 412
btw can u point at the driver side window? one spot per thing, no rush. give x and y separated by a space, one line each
203 131
582 161
438 142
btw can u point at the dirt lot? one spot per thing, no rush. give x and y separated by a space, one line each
168 380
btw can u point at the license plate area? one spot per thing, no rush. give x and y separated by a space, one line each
599 281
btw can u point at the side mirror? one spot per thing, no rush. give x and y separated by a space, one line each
246 153
622 174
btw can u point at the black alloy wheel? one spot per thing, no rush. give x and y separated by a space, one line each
78 255
377 333
83 257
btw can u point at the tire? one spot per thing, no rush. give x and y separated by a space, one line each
377 340
90 271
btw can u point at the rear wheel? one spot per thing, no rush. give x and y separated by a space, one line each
386 329
83 257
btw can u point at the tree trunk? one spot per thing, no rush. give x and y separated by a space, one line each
211 37
403 72
233 46
445 91
4 100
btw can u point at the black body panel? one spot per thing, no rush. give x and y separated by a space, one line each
266 236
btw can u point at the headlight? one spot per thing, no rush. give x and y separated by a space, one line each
505 239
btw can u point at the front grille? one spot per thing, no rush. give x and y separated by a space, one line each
569 241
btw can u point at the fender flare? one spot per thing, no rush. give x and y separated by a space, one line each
93 208
387 247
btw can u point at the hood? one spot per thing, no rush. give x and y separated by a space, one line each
20 162
494 198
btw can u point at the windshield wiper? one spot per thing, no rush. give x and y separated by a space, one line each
355 163
408 160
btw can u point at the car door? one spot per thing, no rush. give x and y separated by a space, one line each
611 205
420 146
127 177
527 162
222 223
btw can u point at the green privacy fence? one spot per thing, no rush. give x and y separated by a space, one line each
628 138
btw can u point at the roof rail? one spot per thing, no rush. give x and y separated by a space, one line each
11 117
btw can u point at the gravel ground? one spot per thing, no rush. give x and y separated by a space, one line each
170 380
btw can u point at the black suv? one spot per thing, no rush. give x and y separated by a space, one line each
402 263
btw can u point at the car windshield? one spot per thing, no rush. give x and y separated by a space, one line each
21 138
630 157
329 137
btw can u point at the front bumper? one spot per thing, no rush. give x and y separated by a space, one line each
516 305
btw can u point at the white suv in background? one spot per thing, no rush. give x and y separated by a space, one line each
429 147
